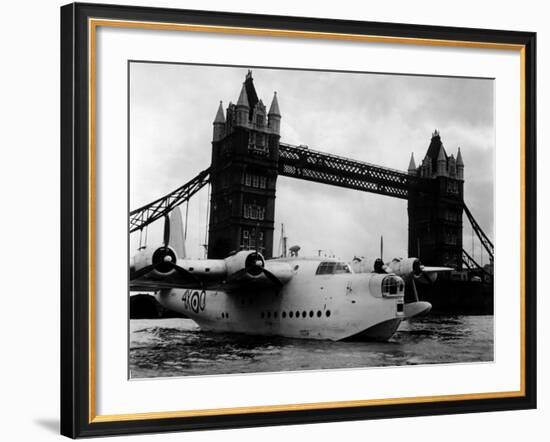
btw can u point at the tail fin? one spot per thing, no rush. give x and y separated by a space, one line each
177 242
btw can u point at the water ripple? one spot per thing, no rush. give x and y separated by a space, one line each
177 347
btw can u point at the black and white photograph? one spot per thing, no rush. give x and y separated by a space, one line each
287 219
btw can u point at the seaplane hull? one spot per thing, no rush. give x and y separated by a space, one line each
309 306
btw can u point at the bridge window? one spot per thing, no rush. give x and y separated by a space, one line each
256 143
254 211
332 268
452 187
256 181
248 240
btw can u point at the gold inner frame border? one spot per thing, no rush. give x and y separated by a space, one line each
93 24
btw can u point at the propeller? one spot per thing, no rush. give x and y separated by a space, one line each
276 281
166 236
261 262
254 265
379 266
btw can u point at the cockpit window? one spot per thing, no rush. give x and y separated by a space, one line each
332 268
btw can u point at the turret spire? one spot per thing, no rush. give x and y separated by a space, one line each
219 124
459 161
442 155
274 108
243 97
274 116
459 166
242 112
412 165
441 162
220 118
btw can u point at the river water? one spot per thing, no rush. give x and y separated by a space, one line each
176 347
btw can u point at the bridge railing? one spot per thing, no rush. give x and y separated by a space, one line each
308 164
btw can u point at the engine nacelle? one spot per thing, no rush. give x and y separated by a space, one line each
248 262
161 258
405 268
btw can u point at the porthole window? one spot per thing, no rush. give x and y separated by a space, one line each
291 314
311 313
268 315
275 315
223 316
328 313
297 314
304 314
227 315
284 314
319 313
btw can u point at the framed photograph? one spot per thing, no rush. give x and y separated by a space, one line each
273 220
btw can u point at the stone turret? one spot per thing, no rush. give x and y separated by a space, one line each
442 162
274 116
242 109
412 165
459 166
219 124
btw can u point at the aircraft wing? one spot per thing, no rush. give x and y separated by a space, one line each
240 271
436 269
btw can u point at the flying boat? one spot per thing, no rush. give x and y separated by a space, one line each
294 296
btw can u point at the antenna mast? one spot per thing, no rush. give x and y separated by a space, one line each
284 239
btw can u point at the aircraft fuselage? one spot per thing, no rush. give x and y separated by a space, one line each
311 305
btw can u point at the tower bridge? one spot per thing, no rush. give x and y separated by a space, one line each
248 157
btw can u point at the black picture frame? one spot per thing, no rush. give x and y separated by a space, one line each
76 417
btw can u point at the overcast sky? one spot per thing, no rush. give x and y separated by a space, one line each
376 118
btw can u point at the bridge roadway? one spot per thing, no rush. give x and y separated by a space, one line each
312 165
302 163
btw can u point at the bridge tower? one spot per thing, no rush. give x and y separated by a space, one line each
245 156
435 218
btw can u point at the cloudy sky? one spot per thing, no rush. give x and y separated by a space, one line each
376 118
